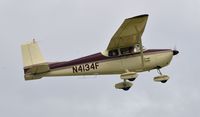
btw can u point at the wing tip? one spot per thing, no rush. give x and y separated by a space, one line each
139 16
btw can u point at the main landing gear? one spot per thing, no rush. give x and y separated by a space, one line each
162 78
128 76
124 85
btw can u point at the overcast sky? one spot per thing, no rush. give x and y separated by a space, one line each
68 29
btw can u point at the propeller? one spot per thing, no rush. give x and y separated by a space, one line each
175 51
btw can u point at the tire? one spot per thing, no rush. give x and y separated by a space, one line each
132 79
126 88
164 81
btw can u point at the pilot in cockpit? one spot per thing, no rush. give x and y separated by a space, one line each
137 48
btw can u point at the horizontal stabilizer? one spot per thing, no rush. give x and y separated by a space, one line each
37 69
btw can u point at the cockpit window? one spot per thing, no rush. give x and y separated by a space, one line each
125 51
137 48
113 53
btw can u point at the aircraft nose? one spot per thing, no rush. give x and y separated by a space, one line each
175 52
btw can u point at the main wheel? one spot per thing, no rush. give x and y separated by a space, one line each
126 88
132 79
123 85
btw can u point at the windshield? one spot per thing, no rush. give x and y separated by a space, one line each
137 48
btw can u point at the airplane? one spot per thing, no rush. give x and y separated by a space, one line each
125 56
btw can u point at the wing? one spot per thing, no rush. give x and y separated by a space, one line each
129 33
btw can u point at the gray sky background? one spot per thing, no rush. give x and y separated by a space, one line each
70 29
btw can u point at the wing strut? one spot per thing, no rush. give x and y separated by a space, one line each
141 52
141 48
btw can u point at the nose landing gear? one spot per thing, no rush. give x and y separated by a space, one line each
162 78
128 76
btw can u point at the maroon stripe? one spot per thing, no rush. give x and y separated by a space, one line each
95 57
90 58
156 50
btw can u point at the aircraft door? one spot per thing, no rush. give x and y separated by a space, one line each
129 60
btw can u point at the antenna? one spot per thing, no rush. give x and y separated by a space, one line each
34 40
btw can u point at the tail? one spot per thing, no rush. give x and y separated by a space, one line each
34 63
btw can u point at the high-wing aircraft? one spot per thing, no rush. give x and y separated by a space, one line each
124 55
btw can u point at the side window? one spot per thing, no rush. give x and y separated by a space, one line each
113 53
128 50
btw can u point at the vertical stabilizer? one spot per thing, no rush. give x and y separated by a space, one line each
31 54
34 62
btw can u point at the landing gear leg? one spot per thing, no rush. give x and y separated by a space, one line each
159 72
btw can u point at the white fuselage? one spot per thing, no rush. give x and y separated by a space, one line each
116 65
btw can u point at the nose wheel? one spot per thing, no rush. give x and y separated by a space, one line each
161 78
